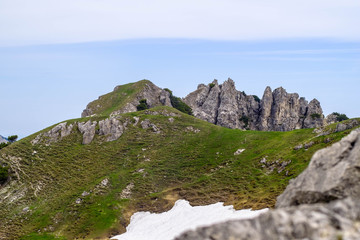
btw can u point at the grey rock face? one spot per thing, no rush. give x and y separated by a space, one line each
333 173
205 102
330 221
55 134
277 111
331 118
314 116
112 128
87 129
228 108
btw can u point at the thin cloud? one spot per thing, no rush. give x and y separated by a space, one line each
24 22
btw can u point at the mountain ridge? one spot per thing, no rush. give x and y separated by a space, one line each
83 178
223 105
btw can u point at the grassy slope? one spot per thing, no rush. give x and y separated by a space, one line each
200 167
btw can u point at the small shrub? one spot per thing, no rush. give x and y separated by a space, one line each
143 105
177 103
245 120
2 145
211 85
340 117
13 138
315 116
256 98
3 174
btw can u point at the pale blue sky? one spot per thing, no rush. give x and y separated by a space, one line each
55 59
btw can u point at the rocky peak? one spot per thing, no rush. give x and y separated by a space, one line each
278 110
125 98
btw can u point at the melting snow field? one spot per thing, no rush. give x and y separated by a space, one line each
182 217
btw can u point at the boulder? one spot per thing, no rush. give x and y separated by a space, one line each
112 128
333 173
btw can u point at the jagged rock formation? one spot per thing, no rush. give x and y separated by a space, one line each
327 192
144 89
277 111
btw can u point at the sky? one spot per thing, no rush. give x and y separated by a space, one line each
58 55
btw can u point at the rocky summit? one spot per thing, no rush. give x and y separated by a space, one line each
278 110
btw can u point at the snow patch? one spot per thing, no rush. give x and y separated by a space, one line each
182 217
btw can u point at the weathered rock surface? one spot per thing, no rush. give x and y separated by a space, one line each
55 134
277 111
112 128
336 220
321 203
333 173
87 129
342 126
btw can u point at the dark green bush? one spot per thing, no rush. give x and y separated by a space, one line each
256 98
245 120
13 138
340 116
3 174
177 103
211 85
2 145
143 105
315 116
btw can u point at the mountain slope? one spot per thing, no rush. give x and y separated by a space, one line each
83 178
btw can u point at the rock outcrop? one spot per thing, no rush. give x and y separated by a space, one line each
321 203
112 128
276 111
87 129
55 134
333 173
